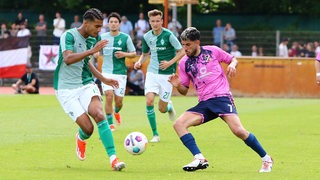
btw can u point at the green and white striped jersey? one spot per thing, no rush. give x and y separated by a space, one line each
162 47
121 42
77 74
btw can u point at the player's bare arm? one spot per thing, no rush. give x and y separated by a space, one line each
70 57
121 54
317 66
231 69
141 60
165 64
97 74
175 81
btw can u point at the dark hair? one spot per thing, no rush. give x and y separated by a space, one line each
155 12
92 14
191 33
115 15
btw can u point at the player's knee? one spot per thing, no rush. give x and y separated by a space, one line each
98 115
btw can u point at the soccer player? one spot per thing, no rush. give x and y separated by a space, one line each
165 50
75 88
202 67
119 47
317 67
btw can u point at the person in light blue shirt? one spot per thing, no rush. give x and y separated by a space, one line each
217 33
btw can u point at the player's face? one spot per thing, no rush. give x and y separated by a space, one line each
156 22
113 24
92 28
191 48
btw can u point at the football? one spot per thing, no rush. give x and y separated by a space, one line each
135 143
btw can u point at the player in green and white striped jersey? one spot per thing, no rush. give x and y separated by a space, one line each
114 66
165 50
75 89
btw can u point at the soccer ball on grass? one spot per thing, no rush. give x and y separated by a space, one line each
135 143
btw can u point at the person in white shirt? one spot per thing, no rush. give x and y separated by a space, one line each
235 51
24 32
59 25
283 48
141 26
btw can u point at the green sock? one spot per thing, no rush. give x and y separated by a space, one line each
152 119
116 110
106 137
110 118
83 135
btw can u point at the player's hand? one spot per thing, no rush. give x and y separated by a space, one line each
137 65
231 70
119 54
100 44
174 80
111 82
164 65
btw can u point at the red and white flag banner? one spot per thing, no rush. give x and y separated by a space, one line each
48 57
13 56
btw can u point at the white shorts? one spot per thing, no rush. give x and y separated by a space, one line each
122 79
159 84
75 102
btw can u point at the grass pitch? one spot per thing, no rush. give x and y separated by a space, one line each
38 142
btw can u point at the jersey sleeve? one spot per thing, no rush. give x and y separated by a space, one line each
221 55
184 78
175 42
67 42
145 47
130 45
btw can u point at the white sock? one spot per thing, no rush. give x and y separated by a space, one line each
112 158
199 156
266 158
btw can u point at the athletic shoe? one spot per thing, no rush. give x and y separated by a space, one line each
196 164
155 139
117 165
266 166
112 127
81 148
172 113
117 117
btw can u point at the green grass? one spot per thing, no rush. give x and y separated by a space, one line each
37 142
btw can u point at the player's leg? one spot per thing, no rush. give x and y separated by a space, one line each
151 89
119 94
108 91
108 107
165 104
95 110
30 89
84 133
236 127
181 126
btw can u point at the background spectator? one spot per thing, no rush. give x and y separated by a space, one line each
24 32
41 29
59 25
28 83
235 51
283 48
217 33
174 26
141 26
135 82
254 50
20 20
260 51
105 27
76 23
4 33
293 51
126 27
229 35
14 30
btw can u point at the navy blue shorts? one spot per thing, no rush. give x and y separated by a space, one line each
214 107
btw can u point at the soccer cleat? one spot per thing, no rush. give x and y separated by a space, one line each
155 139
117 165
81 148
196 164
172 113
117 117
266 166
112 127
